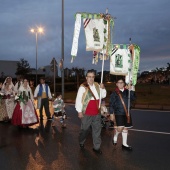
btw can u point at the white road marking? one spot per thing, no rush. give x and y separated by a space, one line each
147 131
152 110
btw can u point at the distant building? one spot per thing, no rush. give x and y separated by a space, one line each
9 68
32 74
47 71
44 71
67 72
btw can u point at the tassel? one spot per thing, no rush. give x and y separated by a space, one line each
93 60
72 58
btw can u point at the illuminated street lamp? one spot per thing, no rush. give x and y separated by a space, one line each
36 31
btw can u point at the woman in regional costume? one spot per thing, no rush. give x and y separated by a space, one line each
9 81
9 94
3 111
24 113
6 104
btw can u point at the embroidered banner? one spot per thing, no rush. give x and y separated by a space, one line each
120 62
132 75
136 61
94 33
98 29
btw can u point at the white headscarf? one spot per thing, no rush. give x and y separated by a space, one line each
27 89
11 85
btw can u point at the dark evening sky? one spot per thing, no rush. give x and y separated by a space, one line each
146 22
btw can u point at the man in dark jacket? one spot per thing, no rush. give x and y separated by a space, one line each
119 109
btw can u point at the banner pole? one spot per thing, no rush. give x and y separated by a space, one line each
101 78
129 84
102 68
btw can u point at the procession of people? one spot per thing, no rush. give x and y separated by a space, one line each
17 105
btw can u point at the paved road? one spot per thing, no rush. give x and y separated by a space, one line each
43 147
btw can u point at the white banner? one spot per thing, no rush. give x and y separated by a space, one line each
94 33
76 35
120 62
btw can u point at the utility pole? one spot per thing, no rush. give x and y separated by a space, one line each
62 49
53 69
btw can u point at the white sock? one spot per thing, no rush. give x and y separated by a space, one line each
115 136
124 137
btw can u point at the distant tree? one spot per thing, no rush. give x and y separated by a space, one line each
2 74
23 67
153 71
168 67
157 69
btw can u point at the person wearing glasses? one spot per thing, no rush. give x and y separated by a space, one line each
87 106
119 110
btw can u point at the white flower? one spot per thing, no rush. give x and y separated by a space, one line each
2 94
16 97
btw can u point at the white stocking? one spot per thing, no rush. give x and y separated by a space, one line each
124 137
115 136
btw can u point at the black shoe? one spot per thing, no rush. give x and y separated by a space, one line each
111 125
103 125
128 148
98 151
49 118
81 146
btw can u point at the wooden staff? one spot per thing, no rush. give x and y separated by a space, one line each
131 48
102 68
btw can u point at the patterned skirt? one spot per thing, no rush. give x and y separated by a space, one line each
3 110
25 116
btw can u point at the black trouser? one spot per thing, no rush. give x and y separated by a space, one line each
45 104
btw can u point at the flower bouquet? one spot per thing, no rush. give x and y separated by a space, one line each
19 98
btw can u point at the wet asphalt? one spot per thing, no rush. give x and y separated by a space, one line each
43 147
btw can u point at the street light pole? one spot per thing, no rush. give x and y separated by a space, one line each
62 49
36 37
36 31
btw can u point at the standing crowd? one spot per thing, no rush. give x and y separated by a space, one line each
17 105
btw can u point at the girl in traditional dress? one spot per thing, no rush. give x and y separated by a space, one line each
24 113
9 98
